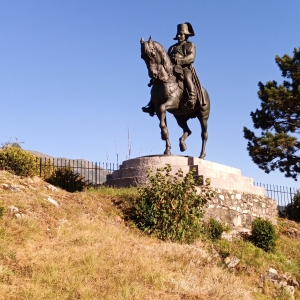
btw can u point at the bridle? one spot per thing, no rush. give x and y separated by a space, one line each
152 54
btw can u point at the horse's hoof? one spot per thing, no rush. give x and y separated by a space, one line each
202 156
167 152
182 145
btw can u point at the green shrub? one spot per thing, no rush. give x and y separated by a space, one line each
263 234
170 207
18 161
46 167
67 179
1 211
292 210
213 229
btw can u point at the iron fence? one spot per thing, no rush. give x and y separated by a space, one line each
94 173
281 194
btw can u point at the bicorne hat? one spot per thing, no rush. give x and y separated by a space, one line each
186 28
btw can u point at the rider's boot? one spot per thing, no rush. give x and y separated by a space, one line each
149 108
192 97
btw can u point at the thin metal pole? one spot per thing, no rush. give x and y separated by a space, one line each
292 204
95 174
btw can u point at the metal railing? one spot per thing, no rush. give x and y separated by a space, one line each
94 173
281 194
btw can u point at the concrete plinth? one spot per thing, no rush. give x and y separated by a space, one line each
133 172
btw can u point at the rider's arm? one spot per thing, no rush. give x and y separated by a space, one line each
173 60
190 57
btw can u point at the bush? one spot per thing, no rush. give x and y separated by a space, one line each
170 207
67 179
213 229
263 234
18 161
1 211
292 210
46 167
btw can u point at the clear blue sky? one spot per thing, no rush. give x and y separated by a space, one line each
72 82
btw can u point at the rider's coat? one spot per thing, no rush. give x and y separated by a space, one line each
185 53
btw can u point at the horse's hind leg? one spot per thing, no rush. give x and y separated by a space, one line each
182 122
204 135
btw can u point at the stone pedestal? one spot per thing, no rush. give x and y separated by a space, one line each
237 202
133 172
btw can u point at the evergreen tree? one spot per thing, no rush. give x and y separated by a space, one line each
279 119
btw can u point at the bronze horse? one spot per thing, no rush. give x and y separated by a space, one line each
166 95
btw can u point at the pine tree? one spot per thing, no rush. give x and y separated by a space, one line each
279 119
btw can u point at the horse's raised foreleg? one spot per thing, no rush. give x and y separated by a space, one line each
182 122
204 135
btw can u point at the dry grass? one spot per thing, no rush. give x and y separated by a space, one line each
82 249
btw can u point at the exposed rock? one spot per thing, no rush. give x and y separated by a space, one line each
52 201
292 232
11 187
281 281
13 209
236 234
237 221
227 260
52 188
290 290
293 282
226 236
272 274
231 262
20 216
280 284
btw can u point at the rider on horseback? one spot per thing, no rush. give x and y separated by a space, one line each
182 55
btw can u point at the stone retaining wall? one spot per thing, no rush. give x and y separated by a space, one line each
237 201
240 209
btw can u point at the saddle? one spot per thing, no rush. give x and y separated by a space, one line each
178 73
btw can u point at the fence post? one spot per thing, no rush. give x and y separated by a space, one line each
95 175
291 197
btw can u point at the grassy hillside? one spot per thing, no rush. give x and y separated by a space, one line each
81 248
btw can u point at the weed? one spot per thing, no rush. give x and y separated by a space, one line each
213 229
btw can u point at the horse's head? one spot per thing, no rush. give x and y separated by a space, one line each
157 60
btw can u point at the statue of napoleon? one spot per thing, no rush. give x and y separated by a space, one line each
175 86
182 55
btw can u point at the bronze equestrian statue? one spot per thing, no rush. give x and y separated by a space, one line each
175 86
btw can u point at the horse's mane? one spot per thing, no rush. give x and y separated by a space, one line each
165 60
